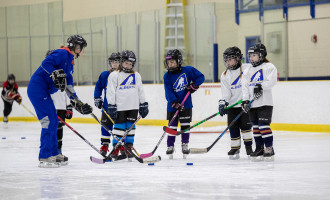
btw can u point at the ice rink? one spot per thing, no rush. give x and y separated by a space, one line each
301 169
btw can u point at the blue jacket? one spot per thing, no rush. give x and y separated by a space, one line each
176 83
101 85
58 59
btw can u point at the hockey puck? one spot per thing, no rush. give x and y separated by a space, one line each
190 163
108 160
23 138
151 164
3 138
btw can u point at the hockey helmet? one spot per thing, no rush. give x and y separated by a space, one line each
127 55
232 53
173 54
75 40
261 51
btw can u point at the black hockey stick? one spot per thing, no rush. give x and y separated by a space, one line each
174 132
147 155
205 150
147 160
120 142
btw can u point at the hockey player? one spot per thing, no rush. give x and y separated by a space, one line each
9 94
126 99
258 81
64 111
54 73
101 84
231 90
178 80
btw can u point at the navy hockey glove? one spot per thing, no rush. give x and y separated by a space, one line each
69 112
98 102
222 105
257 91
82 108
112 111
245 106
143 109
177 106
192 88
58 77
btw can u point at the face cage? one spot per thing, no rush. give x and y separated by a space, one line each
109 62
124 69
258 62
230 57
172 69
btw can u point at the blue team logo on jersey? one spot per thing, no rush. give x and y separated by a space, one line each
181 83
128 83
237 83
257 77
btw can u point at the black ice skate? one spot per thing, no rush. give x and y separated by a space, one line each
185 150
258 154
269 154
5 119
248 151
233 154
170 151
129 156
115 152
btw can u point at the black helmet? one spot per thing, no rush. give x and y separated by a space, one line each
75 40
127 55
113 57
259 49
232 53
173 54
11 77
49 52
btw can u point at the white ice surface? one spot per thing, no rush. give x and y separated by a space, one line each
301 169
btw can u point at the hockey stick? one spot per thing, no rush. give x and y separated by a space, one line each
114 124
80 136
120 142
28 110
174 132
149 160
205 150
147 155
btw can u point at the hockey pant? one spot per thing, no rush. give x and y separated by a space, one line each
124 121
7 107
185 118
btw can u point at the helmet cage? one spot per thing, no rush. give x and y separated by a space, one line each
127 56
176 55
234 57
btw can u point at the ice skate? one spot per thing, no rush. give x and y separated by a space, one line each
170 151
248 151
269 154
129 156
104 149
233 154
115 152
62 159
258 154
51 162
185 150
5 119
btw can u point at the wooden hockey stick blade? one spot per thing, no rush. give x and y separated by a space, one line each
170 131
197 150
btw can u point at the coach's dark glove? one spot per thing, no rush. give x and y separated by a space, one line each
222 105
143 109
84 109
98 102
192 88
59 79
112 111
245 106
257 91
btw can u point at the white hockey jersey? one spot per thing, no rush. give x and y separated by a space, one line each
60 100
231 85
266 75
125 90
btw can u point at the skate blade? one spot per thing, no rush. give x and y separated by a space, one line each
257 159
234 157
48 165
129 159
64 163
185 156
170 156
269 159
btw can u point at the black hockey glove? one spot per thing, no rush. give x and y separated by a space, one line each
112 111
59 79
68 112
143 109
98 102
176 105
222 105
257 91
192 88
245 106
82 108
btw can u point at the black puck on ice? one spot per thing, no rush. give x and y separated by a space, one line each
151 164
190 163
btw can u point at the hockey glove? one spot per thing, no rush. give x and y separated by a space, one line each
245 106
59 79
143 109
257 91
192 88
112 111
18 98
222 105
68 112
176 105
98 102
82 108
